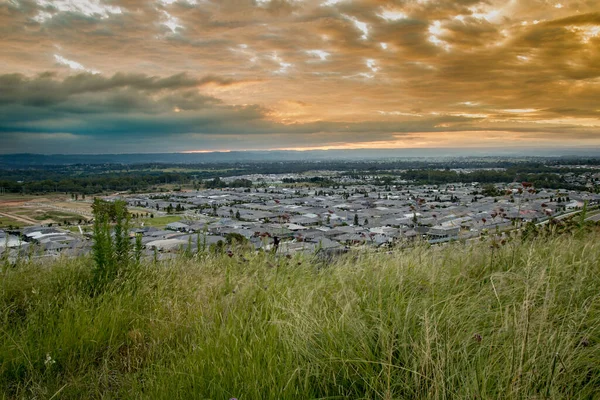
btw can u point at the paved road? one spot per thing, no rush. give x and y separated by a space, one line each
593 218
559 217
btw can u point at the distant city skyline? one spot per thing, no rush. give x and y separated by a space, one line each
122 76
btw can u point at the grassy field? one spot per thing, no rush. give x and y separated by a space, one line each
158 221
5 222
57 216
454 322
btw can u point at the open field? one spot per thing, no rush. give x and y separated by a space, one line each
452 322
16 216
158 221
20 211
35 210
8 221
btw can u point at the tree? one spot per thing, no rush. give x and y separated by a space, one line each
237 215
111 249
235 238
355 219
490 190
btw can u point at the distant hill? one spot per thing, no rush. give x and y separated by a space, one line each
20 160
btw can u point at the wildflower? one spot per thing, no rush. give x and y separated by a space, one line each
477 337
584 342
49 361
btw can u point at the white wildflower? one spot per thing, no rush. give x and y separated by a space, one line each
49 361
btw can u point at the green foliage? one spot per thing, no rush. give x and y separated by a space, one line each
217 248
112 252
138 248
491 191
436 323
235 238
530 231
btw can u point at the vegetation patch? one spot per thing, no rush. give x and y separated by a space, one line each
10 223
161 221
521 320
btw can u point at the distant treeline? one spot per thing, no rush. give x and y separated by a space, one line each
217 183
550 180
319 180
92 179
89 184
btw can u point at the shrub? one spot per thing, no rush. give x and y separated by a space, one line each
112 250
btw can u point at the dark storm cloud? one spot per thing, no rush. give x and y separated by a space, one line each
328 72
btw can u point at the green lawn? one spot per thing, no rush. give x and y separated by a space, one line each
5 222
158 221
454 322
58 216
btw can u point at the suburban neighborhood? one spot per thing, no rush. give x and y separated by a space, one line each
271 214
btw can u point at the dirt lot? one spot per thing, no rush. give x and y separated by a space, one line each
36 210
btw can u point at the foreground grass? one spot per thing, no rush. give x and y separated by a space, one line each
455 322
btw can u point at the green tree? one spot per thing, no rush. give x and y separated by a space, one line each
112 248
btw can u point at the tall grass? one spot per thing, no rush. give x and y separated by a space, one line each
440 323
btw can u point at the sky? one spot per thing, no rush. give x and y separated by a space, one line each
122 76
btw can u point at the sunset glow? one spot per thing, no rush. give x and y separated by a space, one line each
196 76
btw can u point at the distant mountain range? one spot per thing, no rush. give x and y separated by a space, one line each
27 159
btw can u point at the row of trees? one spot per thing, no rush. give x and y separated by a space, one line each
218 183
90 184
550 180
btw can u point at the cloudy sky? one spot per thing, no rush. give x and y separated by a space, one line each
113 76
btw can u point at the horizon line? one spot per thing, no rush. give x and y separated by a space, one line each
322 150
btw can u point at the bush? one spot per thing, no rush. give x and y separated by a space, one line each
112 250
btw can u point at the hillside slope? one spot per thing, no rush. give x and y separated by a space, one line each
519 321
